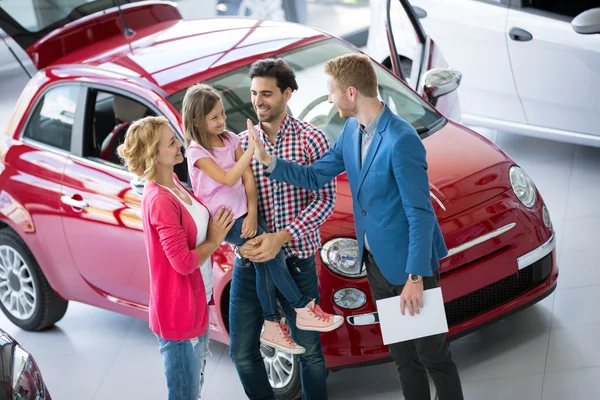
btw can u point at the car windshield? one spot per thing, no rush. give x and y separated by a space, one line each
37 15
310 103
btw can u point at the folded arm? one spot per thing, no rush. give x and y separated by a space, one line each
228 178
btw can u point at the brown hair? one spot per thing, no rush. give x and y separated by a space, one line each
353 70
140 147
199 100
275 68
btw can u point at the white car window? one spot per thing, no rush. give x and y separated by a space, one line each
567 8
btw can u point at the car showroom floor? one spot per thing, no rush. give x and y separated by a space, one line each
549 351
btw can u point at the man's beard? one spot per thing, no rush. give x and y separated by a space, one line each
347 111
272 114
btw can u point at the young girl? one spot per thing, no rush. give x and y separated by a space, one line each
220 176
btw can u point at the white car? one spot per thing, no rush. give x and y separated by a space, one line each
529 66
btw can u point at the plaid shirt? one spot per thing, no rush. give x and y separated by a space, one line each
299 211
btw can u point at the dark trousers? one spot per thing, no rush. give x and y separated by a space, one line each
414 358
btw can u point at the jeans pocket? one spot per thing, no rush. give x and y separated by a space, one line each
306 266
242 263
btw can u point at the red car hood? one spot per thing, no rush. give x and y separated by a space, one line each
465 169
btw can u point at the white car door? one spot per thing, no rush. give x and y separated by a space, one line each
556 70
420 58
471 34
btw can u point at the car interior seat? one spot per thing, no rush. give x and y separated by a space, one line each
126 111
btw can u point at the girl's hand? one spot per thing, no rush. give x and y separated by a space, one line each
251 137
249 227
259 148
219 226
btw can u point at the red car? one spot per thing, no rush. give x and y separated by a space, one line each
70 212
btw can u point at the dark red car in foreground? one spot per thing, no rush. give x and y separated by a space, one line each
70 212
20 377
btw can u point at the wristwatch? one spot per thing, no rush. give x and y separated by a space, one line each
415 278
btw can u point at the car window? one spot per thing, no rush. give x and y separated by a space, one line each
107 119
52 120
567 8
310 103
108 116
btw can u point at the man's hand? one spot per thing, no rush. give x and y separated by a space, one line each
259 147
245 248
412 297
265 247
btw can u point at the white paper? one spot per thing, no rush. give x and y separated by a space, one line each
396 327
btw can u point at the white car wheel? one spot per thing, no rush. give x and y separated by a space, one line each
17 291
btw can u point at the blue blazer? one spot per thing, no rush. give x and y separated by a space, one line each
390 195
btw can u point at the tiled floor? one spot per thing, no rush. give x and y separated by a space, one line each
549 351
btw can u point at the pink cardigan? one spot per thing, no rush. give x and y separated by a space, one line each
178 309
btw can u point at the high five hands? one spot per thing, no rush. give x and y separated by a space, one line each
259 148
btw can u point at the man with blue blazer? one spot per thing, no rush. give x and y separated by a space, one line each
397 231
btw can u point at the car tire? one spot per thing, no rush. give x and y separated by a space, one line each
287 384
43 306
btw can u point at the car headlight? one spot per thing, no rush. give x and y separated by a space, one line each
350 298
523 186
341 256
27 380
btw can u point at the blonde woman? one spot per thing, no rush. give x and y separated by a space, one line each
180 238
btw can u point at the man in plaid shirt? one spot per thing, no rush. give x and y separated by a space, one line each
294 216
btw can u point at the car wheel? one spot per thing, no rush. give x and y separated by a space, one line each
283 370
26 297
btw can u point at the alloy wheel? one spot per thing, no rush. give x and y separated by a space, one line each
17 290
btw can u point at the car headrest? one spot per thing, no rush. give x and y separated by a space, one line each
127 110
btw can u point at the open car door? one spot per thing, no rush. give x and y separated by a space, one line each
417 60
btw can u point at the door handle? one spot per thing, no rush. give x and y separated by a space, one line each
419 12
520 35
74 203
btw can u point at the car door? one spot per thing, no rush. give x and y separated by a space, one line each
471 34
32 177
101 213
556 70
102 200
416 53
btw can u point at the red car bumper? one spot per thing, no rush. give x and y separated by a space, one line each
488 281
518 291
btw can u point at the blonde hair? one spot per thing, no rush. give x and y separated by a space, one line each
353 70
199 100
140 147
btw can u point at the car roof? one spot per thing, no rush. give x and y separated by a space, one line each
173 55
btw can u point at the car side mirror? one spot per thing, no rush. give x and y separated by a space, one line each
588 22
438 82
137 185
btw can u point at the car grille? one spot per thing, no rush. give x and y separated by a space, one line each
498 293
